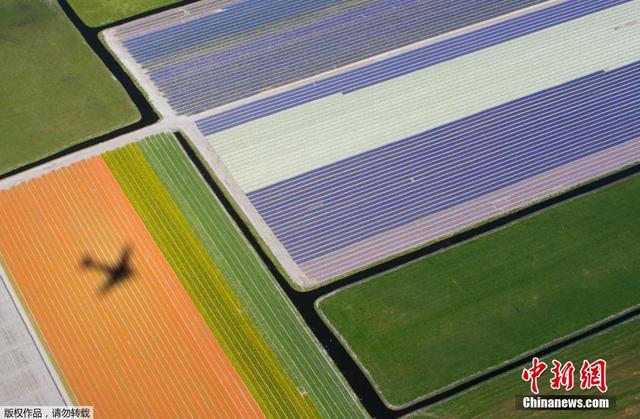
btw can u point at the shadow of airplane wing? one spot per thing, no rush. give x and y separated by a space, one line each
116 273
125 257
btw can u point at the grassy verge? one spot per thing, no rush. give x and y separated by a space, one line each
495 398
267 306
428 324
55 91
100 12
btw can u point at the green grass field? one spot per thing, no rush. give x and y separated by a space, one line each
495 398
100 12
444 318
55 91
229 283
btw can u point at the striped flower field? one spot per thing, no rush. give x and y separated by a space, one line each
381 158
218 52
142 350
348 133
267 306
205 320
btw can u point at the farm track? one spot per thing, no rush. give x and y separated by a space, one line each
304 301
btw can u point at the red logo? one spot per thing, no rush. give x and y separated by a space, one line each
562 375
532 374
592 375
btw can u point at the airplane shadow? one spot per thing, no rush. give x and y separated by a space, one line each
116 274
